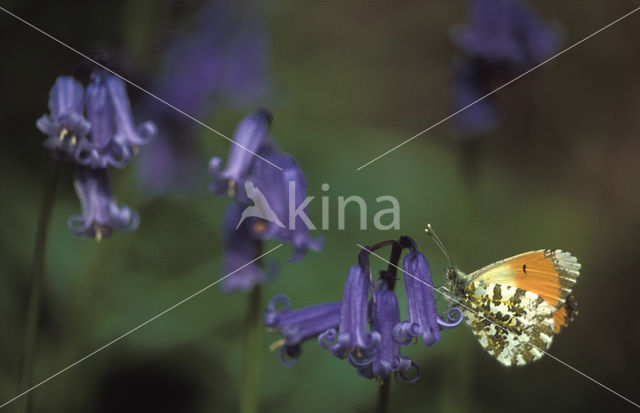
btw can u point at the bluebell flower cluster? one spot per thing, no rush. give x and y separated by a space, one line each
251 178
105 136
222 58
502 39
365 328
100 211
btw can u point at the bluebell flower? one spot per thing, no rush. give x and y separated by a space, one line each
133 136
387 359
250 135
262 191
501 39
104 148
113 135
297 326
353 338
365 328
281 188
240 248
65 125
422 314
100 211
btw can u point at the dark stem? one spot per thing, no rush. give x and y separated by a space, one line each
383 395
382 244
35 287
250 390
392 268
249 394
389 275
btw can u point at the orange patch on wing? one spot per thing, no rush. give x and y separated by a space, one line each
559 319
536 273
565 314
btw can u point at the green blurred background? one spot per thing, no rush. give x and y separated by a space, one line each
349 80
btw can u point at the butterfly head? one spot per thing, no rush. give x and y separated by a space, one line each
455 280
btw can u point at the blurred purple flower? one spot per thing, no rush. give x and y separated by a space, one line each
100 211
133 136
113 134
501 39
422 313
387 359
298 325
65 125
224 58
112 137
506 31
471 81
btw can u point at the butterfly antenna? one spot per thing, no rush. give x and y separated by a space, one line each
430 232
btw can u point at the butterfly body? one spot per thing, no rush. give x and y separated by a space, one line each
515 307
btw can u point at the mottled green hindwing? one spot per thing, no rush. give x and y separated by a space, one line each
526 320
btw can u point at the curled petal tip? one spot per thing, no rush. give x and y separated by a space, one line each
280 302
328 339
285 358
454 318
405 331
411 379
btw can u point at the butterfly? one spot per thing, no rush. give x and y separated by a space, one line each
516 306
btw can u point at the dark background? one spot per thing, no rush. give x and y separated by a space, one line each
348 80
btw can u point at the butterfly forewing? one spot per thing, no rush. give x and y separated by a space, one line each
550 274
513 325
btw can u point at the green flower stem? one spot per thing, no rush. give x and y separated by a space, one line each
35 288
250 391
383 395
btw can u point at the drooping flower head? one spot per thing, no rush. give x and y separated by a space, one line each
65 125
353 337
113 134
267 187
285 192
502 38
100 211
422 313
107 136
365 328
248 138
388 359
